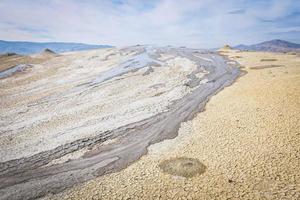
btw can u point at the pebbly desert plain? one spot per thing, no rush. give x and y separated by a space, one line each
148 122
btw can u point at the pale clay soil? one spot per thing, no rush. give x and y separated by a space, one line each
248 137
49 101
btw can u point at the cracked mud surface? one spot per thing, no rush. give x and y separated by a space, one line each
81 115
248 137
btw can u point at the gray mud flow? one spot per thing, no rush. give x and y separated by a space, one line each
31 177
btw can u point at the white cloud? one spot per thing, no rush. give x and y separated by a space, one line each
195 23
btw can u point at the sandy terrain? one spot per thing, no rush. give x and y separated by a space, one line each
247 138
76 116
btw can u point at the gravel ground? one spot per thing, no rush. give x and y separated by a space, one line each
248 138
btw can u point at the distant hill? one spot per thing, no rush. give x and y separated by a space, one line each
272 45
26 48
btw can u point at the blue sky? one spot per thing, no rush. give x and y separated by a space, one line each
193 23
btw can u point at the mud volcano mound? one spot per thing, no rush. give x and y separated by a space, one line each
8 54
185 167
45 54
48 51
227 47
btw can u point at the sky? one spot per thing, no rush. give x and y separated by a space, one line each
191 23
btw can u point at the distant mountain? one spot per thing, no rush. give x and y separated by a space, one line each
26 48
272 45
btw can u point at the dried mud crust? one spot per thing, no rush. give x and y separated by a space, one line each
248 137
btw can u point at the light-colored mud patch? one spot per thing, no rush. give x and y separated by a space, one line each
14 69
